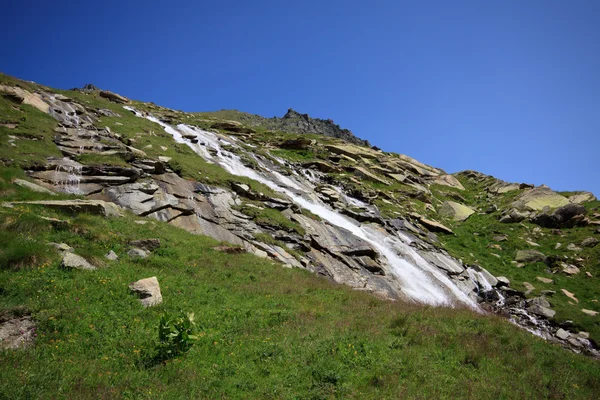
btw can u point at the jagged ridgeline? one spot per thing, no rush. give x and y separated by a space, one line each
101 193
292 122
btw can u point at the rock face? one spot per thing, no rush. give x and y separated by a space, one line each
148 290
33 187
456 211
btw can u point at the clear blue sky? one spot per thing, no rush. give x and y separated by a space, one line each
508 87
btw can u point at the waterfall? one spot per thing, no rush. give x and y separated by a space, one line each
420 280
70 183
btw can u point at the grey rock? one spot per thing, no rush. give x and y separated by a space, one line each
137 253
32 186
541 311
567 216
590 242
547 292
148 290
573 247
73 261
16 331
112 256
530 256
502 281
562 334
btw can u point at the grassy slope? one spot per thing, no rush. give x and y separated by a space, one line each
474 235
267 331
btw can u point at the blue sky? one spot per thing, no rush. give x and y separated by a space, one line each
510 88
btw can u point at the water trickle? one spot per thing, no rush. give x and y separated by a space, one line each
71 173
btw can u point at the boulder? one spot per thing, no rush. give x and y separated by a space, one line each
589 312
435 226
33 187
566 216
530 256
137 253
19 95
112 256
456 211
590 242
562 334
581 197
502 281
353 151
500 238
544 280
366 174
114 97
529 288
514 215
148 290
61 247
73 261
573 247
541 311
539 198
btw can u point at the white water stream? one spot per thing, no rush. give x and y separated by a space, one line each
422 282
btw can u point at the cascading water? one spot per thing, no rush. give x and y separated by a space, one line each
70 183
420 281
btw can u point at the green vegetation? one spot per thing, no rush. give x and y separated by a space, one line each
474 243
176 336
269 217
264 331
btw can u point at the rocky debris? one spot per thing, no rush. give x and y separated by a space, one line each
590 242
581 197
146 244
456 211
530 256
501 187
544 280
17 329
148 290
299 144
96 207
112 256
569 295
590 312
232 126
22 96
540 306
138 253
114 97
73 261
33 187
539 198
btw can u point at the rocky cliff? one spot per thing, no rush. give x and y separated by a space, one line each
379 222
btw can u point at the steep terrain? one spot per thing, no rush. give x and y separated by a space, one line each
296 192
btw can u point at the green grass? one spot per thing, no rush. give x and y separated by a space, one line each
474 235
270 217
266 331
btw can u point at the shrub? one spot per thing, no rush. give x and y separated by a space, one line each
176 335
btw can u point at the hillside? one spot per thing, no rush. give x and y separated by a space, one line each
401 279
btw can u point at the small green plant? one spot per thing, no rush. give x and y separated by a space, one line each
176 335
